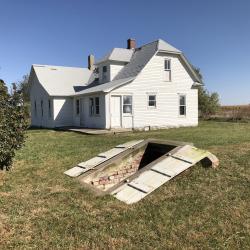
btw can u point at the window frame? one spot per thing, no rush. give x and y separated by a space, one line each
42 108
104 73
168 69
77 107
94 106
182 105
97 106
35 108
127 104
49 109
155 101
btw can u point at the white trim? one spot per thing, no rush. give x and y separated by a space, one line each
152 107
179 115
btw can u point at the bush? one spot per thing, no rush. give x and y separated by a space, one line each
208 103
12 124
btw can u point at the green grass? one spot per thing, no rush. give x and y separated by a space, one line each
41 208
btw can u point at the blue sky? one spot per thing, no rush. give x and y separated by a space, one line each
214 35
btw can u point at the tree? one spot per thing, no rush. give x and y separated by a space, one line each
24 88
208 102
12 124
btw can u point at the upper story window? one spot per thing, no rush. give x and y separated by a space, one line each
94 106
167 70
127 104
104 69
182 105
152 101
104 73
77 106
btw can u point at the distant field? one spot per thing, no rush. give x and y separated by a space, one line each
239 112
41 208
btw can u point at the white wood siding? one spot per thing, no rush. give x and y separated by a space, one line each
94 121
150 80
115 69
38 94
63 111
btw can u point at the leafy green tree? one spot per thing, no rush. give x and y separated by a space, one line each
12 124
208 103
24 87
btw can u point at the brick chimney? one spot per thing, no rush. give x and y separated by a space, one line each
91 61
131 44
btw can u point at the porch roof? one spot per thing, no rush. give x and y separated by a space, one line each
106 87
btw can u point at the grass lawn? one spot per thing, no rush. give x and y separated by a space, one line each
41 208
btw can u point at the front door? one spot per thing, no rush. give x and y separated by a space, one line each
115 111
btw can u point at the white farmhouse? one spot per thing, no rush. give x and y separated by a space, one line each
153 86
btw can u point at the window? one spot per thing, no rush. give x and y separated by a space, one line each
152 101
127 104
94 106
91 106
77 106
49 108
104 69
182 105
97 106
42 107
35 108
104 73
167 64
167 70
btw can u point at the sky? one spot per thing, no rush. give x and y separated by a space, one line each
214 35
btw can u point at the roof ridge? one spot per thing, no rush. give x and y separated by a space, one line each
146 44
59 66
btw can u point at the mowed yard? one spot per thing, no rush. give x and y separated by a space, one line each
41 208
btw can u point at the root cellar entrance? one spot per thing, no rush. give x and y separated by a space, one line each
125 165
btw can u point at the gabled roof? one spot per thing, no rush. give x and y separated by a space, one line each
143 54
138 61
105 87
68 81
117 54
59 80
164 46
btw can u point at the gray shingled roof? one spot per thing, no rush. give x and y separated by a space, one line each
138 61
63 81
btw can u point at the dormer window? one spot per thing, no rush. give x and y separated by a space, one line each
167 70
96 70
104 73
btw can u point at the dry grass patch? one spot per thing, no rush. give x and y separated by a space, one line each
200 209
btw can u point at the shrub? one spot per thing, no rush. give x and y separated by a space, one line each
12 124
208 103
